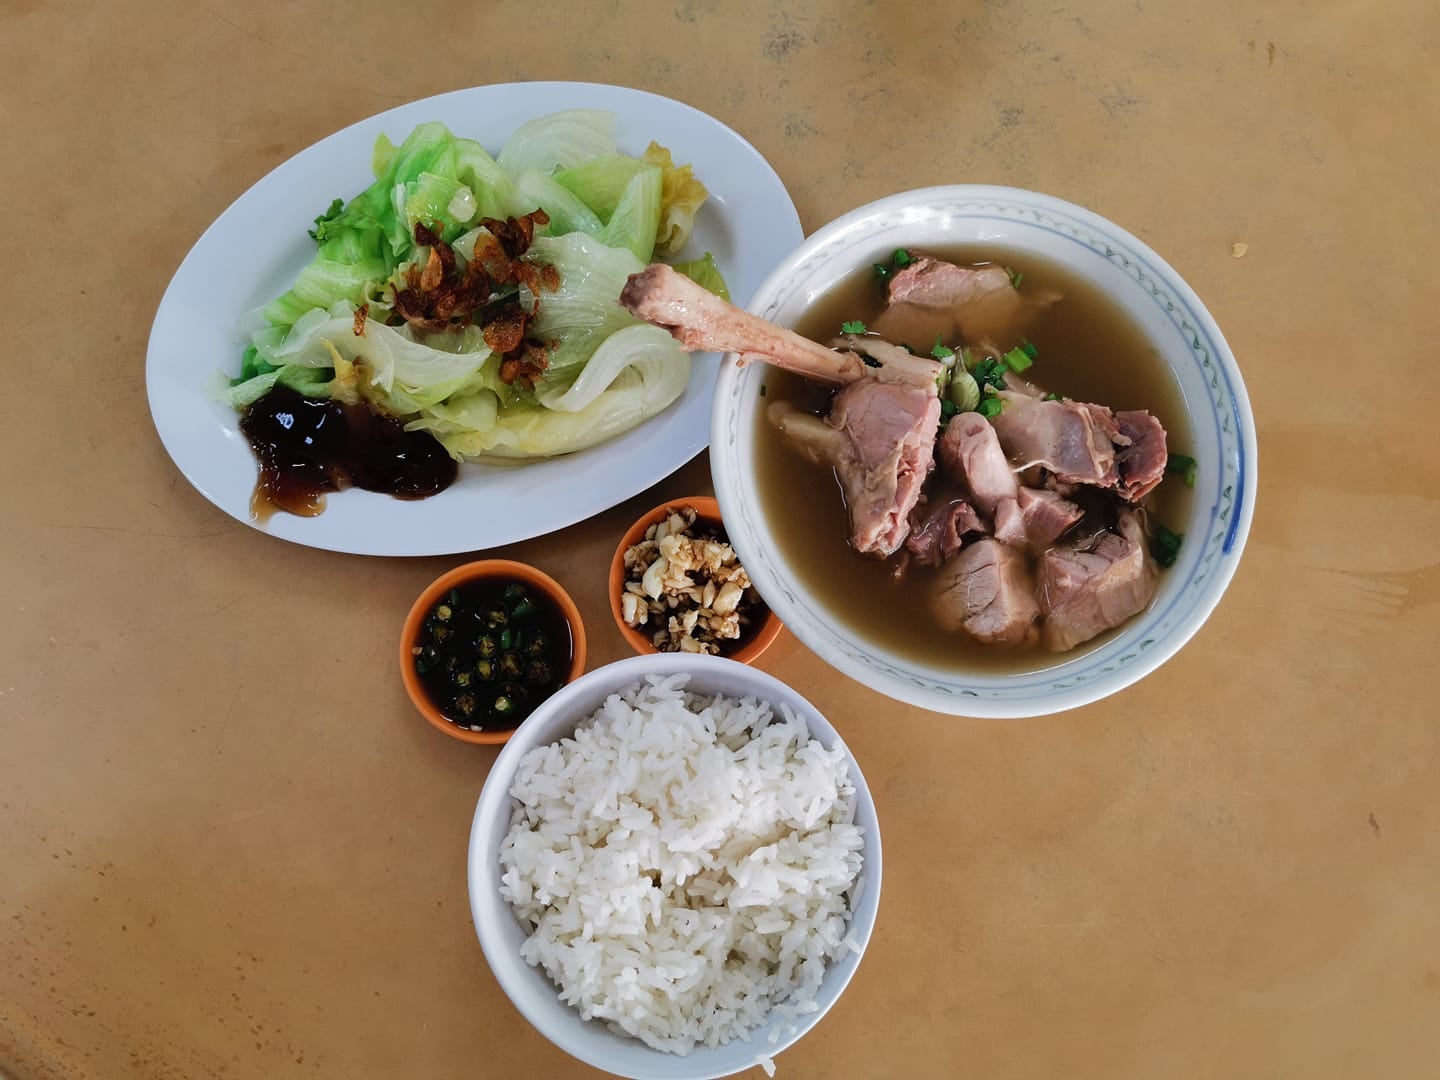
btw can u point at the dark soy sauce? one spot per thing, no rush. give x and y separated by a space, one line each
309 446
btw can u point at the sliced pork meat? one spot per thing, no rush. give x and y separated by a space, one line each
970 454
1047 516
1086 592
699 319
932 298
1141 458
938 529
987 592
1010 523
1070 439
880 439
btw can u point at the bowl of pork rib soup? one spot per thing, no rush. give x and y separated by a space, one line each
980 449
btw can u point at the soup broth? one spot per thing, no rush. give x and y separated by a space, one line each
1088 349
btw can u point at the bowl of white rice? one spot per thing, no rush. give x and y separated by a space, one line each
674 868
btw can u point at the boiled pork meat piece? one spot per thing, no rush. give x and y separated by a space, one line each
938 529
879 437
1070 439
1009 524
970 454
1084 592
987 592
1047 516
1142 455
931 297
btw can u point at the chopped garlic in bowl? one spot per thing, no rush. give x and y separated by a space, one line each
677 585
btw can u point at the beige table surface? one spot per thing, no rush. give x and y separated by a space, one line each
228 848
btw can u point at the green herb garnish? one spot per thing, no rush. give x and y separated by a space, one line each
1018 359
940 351
1053 397
854 326
883 272
991 372
1165 545
762 389
990 407
1030 350
1184 465
948 409
901 258
1016 276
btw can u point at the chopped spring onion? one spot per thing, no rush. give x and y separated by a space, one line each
883 272
1184 465
1016 276
1053 397
854 326
990 407
1165 545
1030 350
947 409
991 372
1018 359
940 352
901 259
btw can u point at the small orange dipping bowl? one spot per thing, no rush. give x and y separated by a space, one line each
751 644
470 574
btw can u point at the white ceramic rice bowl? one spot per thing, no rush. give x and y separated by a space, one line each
1174 319
501 934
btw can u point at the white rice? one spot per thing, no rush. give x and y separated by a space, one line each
683 864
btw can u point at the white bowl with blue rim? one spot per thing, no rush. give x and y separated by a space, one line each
1174 320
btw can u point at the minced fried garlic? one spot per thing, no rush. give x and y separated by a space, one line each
688 586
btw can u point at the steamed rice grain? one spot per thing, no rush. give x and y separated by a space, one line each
684 864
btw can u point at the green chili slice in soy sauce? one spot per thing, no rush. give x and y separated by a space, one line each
489 652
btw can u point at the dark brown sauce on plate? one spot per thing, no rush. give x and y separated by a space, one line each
308 446
1089 349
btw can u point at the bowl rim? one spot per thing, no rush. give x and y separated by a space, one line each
466 573
494 799
707 508
1027 210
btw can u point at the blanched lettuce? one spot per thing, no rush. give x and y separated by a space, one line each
637 215
706 274
391 357
558 141
584 311
529 429
311 382
601 181
680 199
605 372
568 213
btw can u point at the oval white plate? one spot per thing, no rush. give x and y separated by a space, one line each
255 248
1173 318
